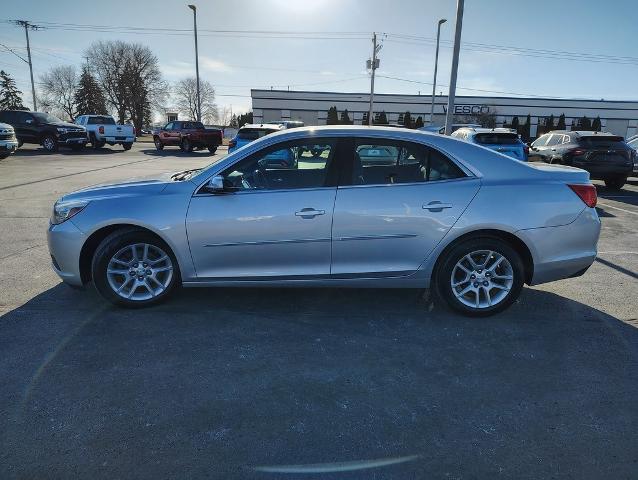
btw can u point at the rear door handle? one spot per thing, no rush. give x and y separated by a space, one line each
309 213
437 206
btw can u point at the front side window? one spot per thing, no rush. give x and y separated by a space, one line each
169 126
291 165
385 162
42 117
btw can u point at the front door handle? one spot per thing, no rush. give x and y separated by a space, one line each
436 206
309 213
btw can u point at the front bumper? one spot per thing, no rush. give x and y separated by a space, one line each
11 145
65 244
564 251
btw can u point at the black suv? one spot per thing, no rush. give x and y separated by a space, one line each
605 156
44 129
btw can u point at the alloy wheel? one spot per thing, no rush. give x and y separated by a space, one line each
139 272
482 279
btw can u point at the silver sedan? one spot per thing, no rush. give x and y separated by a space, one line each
346 207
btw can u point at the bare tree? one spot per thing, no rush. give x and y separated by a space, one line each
58 87
185 92
130 77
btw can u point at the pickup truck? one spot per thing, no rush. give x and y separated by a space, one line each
187 135
102 129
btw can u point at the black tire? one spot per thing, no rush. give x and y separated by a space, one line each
212 150
446 269
158 144
115 242
20 143
4 155
50 143
615 183
127 146
186 145
95 143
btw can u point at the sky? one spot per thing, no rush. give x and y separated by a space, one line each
508 47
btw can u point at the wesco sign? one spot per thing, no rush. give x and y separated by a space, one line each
468 109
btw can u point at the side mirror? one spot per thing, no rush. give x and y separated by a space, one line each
217 184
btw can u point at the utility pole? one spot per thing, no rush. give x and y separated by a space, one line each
455 66
29 26
372 65
436 65
199 101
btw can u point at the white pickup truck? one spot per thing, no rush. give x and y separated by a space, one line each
102 129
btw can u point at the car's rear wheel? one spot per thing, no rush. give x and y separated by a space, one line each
127 145
133 268
158 144
212 149
186 145
615 183
49 143
480 276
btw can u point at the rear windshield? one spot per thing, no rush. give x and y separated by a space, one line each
253 133
101 121
600 141
496 138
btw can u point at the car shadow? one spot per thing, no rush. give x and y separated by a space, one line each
176 152
32 152
223 380
623 195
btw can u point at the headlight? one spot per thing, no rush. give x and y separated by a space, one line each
62 130
62 211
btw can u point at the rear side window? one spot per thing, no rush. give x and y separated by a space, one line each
555 140
540 141
496 138
101 121
253 133
600 141
386 162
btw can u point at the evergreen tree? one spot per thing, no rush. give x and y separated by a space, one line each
584 123
382 119
333 116
596 124
549 123
526 128
515 125
89 98
407 120
10 96
419 122
345 118
561 122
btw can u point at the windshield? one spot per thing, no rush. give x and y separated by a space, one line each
46 118
101 120
496 138
253 133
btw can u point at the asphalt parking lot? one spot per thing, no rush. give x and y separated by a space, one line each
221 383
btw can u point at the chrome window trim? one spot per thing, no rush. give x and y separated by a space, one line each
411 184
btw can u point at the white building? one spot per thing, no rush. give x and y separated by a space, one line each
618 117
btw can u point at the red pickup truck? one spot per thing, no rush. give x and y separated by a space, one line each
187 135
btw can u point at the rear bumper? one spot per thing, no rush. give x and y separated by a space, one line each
565 251
65 244
118 139
600 172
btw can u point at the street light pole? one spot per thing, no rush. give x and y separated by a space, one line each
455 66
199 102
436 65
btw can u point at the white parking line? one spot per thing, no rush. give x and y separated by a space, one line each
617 208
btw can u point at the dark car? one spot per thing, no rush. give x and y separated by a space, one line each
44 129
633 143
604 155
187 135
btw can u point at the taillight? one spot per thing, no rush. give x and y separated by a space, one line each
577 151
526 148
101 129
587 193
232 143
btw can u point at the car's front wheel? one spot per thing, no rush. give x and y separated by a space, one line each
133 268
158 144
480 276
50 143
212 149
